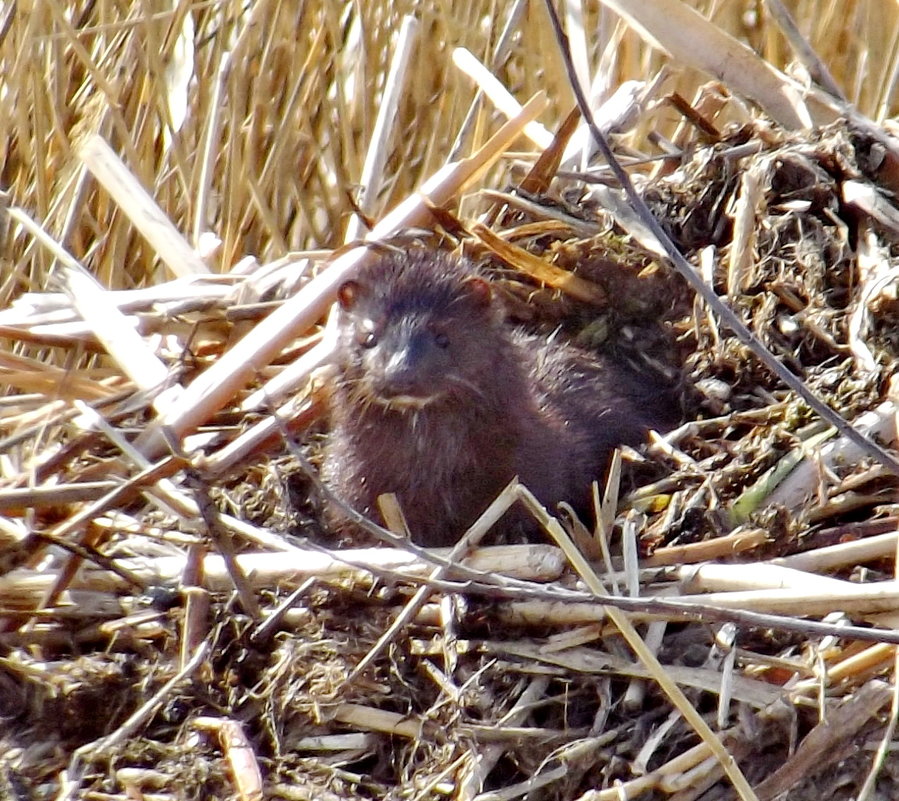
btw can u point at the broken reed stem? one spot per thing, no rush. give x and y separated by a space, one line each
639 647
470 540
235 368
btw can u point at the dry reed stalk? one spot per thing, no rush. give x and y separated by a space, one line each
209 391
239 752
293 123
684 33
250 127
531 563
821 743
720 548
539 269
855 599
638 646
846 553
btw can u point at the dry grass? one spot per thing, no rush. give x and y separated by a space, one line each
145 605
267 152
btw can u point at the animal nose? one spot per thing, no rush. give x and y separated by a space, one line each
402 373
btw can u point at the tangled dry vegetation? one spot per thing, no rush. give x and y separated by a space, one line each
179 184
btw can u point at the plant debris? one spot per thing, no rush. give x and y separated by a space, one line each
177 623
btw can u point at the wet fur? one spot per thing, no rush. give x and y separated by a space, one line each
463 420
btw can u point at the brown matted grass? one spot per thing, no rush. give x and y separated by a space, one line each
167 630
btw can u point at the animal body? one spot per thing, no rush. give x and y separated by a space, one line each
442 403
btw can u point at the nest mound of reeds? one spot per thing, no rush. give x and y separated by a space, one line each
183 190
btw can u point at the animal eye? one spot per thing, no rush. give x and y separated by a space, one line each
368 339
441 339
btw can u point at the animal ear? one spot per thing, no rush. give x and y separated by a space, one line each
347 294
480 290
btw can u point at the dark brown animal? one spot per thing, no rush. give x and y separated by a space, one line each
442 403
